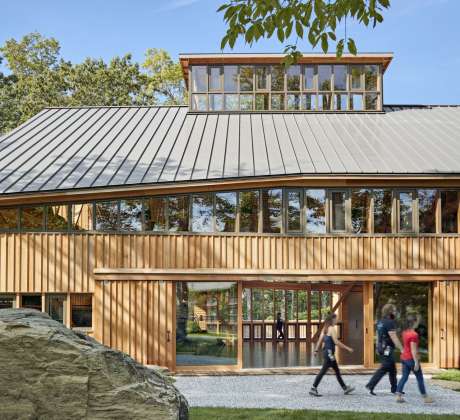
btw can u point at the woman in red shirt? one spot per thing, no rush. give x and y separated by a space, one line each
410 359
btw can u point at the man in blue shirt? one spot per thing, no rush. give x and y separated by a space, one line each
387 340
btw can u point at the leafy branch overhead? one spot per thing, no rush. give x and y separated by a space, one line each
313 20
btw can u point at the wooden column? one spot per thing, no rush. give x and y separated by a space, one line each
368 308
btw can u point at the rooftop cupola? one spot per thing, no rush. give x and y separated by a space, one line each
260 82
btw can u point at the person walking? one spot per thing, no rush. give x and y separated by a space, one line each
410 359
387 341
279 327
329 337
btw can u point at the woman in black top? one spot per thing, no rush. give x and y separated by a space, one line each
329 337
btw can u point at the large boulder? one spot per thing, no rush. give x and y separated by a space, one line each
48 371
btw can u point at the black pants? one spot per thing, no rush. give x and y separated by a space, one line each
387 365
280 334
328 363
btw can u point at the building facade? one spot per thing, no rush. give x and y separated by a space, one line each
220 234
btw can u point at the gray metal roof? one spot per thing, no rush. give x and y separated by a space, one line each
70 148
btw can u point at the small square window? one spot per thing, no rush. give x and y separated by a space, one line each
340 102
309 102
231 102
371 101
246 102
277 101
216 102
293 101
199 103
356 102
262 102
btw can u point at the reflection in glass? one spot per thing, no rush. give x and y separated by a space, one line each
356 102
370 76
178 213
262 102
427 203
338 210
246 102
302 297
155 214
409 298
324 76
268 305
225 211
277 77
340 102
314 305
231 78
257 304
7 301
31 302
246 301
249 211
309 102
214 78
291 303
202 213
277 101
8 218
206 323
382 210
293 78
107 215
280 302
32 218
371 101
81 311
131 215
55 307
82 216
262 77
315 203
246 78
57 218
360 207
340 77
231 102
309 73
293 210
293 101
449 211
216 102
405 212
325 101
272 201
199 102
356 77
326 304
199 78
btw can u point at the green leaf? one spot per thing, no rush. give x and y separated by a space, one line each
352 46
324 43
299 29
280 33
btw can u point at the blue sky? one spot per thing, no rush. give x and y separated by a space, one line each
423 34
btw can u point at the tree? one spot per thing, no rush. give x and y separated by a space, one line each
165 79
314 20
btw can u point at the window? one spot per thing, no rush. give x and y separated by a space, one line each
249 211
309 102
57 218
81 310
294 205
107 215
199 103
206 323
325 101
315 211
338 212
262 102
340 102
226 211
262 77
427 203
246 78
8 218
32 218
277 101
324 77
178 213
272 201
449 211
202 213
231 102
155 214
277 78
55 305
7 301
216 102
131 215
371 77
406 211
199 78
215 79
356 102
293 78
382 210
293 101
246 102
82 216
231 78
340 77
360 209
32 302
357 77
371 100
309 76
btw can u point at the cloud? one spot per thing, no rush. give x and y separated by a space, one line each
175 5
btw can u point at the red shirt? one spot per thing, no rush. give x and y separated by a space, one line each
408 336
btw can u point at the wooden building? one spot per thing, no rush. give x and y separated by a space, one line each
180 234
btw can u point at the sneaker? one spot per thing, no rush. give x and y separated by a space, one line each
371 391
400 399
314 392
428 400
348 389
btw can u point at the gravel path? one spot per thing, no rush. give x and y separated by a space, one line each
291 392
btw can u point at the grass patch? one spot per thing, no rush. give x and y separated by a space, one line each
449 375
199 413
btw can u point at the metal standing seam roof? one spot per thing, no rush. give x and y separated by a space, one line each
74 148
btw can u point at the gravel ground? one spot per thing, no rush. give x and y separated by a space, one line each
291 392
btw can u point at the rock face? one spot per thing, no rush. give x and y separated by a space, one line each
48 371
